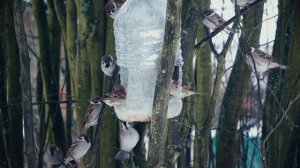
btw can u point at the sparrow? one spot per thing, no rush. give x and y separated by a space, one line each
92 114
53 156
213 21
181 92
129 137
108 65
242 3
78 149
112 8
263 61
115 97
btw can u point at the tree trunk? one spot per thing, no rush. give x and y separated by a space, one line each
282 144
159 122
227 136
83 71
276 143
13 90
25 84
190 19
4 154
203 85
109 137
49 49
293 87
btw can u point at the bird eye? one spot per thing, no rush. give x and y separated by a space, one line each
113 11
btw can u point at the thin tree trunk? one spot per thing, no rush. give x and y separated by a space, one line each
4 154
108 137
49 56
25 84
276 143
71 42
291 89
190 19
159 122
203 85
227 137
13 90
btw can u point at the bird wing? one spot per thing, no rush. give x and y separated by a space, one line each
72 147
119 92
89 111
262 54
217 20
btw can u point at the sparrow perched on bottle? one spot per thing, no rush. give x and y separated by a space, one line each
53 155
112 8
242 3
108 65
129 137
92 114
78 149
115 97
213 21
262 60
181 92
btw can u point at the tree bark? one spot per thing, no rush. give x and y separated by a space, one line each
109 135
4 154
159 122
227 137
49 49
190 19
276 143
25 84
292 81
13 90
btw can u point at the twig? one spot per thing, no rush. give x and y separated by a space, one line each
218 30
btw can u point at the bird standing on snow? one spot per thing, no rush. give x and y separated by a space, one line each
129 137
115 97
262 60
53 156
108 65
92 114
212 20
242 3
112 8
78 149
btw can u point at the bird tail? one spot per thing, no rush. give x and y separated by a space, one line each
122 155
283 66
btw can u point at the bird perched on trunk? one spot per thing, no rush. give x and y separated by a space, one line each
112 8
213 21
263 61
181 91
53 156
108 65
242 3
115 97
129 137
78 149
92 114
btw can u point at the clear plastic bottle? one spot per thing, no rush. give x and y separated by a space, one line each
139 31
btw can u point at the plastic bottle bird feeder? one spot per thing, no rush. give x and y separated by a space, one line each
139 30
